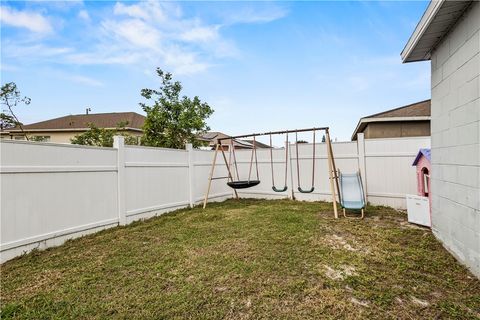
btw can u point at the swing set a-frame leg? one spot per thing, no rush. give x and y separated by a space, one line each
332 174
230 177
205 200
210 178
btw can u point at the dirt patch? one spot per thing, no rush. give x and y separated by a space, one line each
362 303
45 280
340 273
337 242
236 214
419 302
408 225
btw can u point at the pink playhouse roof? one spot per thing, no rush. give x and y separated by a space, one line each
423 152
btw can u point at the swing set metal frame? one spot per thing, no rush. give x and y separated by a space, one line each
333 177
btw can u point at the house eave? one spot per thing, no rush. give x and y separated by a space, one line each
362 123
437 20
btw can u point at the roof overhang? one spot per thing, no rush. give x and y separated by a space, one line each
362 123
438 19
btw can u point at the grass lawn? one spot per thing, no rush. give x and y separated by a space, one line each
248 259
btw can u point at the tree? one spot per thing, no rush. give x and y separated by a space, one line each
10 98
7 121
173 120
324 139
102 137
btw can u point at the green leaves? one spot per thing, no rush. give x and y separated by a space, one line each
7 121
173 120
10 97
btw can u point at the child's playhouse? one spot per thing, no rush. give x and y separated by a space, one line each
419 206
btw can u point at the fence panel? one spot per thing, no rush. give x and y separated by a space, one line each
53 192
202 161
390 174
156 181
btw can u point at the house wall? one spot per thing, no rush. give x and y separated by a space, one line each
62 136
455 176
397 129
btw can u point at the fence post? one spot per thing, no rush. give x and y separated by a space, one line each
362 162
119 144
191 174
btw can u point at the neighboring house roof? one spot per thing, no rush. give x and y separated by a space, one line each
422 152
418 111
258 144
213 136
437 20
79 122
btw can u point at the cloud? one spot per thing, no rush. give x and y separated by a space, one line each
157 34
103 58
145 34
201 34
83 14
136 11
7 67
33 51
249 14
84 80
135 32
32 21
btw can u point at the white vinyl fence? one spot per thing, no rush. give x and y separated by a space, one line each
53 192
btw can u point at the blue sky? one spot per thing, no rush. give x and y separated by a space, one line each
261 65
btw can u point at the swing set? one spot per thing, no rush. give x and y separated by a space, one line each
233 176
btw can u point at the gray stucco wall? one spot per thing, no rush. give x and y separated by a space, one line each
456 140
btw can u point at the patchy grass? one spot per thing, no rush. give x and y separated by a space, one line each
247 259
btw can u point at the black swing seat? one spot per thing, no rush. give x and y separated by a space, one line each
243 184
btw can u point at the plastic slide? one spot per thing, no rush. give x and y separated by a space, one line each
351 191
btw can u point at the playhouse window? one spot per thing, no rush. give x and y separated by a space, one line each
426 181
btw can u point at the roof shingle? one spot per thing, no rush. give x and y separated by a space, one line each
81 121
417 109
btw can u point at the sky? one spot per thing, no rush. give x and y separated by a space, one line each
260 65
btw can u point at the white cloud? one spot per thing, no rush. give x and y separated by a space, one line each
105 57
256 14
134 11
201 34
33 51
84 80
160 35
145 34
134 31
184 62
7 67
32 21
83 14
